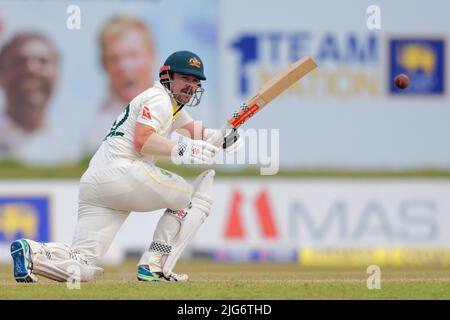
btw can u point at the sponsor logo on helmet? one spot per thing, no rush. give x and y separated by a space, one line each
194 62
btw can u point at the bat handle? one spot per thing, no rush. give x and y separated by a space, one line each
229 136
230 139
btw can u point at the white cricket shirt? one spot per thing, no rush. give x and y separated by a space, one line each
154 108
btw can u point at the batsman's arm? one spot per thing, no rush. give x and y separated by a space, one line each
223 138
193 130
148 142
188 127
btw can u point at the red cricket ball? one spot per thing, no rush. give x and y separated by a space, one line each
402 81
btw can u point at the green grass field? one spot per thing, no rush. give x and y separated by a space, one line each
212 281
10 169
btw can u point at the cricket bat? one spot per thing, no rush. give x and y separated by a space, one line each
268 92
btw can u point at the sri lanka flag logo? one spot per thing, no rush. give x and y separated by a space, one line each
423 60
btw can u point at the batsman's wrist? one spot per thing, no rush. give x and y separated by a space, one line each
157 145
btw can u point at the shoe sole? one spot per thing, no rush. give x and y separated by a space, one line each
19 252
146 275
143 277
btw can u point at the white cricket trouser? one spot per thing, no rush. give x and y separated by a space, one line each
108 194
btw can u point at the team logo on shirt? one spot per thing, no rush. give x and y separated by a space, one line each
194 62
146 113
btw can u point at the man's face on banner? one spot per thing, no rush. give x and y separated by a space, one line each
2 25
28 77
128 60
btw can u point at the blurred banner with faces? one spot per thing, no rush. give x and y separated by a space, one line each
68 71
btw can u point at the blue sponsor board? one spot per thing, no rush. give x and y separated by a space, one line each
24 217
329 49
423 60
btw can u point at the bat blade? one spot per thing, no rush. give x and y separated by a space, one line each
272 89
278 84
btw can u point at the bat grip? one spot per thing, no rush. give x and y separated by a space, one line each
228 138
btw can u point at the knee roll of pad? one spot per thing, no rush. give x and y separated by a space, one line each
205 175
203 202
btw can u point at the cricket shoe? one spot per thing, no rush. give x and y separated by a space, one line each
144 274
23 263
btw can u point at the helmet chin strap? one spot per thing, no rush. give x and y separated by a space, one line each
164 79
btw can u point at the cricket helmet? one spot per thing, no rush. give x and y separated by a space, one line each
185 62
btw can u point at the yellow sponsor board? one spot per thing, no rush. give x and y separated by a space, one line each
393 257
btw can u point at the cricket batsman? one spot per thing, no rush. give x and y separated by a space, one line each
122 177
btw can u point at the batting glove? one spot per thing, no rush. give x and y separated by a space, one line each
188 151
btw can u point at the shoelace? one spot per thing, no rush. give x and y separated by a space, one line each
76 255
